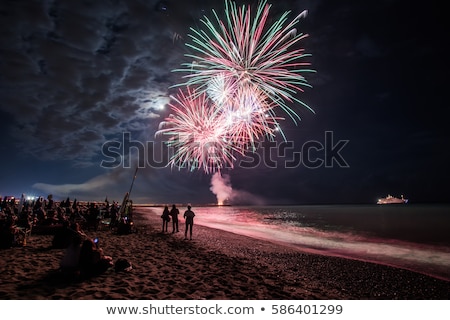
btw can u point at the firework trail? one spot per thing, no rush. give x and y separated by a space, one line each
242 71
245 49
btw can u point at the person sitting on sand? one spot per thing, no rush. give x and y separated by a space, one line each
125 226
8 234
165 218
76 228
189 219
70 261
92 260
174 212
63 236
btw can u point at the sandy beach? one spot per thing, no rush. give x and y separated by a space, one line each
214 265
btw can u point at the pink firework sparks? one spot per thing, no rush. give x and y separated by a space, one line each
197 133
249 118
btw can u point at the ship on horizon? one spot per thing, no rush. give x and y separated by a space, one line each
392 200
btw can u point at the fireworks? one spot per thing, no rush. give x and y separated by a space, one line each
242 71
197 133
249 118
245 49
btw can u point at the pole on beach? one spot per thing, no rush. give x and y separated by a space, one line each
132 182
127 195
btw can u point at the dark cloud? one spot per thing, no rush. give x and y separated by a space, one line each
78 72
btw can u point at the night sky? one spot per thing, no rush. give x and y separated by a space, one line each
75 75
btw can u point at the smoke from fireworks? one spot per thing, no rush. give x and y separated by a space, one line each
242 71
221 187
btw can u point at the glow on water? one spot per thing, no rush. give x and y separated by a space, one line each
425 258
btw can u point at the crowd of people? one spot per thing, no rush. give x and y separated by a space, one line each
19 217
67 219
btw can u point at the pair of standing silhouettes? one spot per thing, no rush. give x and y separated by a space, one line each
168 215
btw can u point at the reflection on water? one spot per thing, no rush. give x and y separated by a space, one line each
407 236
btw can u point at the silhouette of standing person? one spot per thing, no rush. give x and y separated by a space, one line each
165 218
189 218
174 212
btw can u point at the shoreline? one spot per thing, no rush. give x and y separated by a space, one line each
215 265
366 253
439 272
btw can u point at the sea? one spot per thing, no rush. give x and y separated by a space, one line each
410 236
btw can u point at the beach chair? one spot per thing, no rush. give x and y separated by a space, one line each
22 235
22 232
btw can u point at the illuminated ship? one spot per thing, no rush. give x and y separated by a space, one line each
392 200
